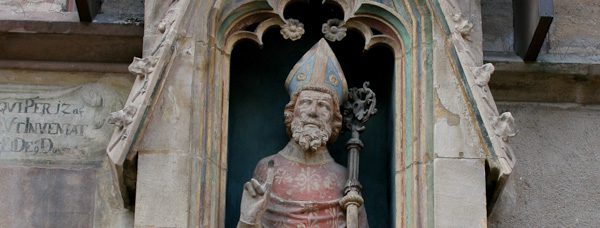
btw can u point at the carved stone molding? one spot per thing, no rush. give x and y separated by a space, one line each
333 30
148 71
497 128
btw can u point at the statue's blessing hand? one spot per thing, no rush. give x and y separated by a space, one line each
254 197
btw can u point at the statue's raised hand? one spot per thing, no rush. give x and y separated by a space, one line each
255 196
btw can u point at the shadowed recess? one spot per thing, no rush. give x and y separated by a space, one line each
257 99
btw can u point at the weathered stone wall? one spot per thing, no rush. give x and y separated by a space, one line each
497 25
556 181
20 7
112 11
45 10
53 136
121 11
573 35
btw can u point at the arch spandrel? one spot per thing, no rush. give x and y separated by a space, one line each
234 16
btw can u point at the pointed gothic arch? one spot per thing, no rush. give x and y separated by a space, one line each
408 27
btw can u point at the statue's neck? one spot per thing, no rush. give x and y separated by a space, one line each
294 152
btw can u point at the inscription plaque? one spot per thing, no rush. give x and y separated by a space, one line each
53 123
54 168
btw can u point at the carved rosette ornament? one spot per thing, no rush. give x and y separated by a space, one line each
292 30
334 30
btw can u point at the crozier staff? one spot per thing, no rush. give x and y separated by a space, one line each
301 185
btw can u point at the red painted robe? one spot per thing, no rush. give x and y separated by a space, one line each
305 195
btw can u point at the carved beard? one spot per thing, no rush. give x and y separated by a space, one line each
310 137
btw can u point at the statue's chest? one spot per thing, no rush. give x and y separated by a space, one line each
308 182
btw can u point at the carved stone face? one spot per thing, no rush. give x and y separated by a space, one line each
311 125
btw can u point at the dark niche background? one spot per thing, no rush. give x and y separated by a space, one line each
257 98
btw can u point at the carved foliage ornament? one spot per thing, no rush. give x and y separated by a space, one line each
360 108
142 66
483 74
504 126
463 25
123 117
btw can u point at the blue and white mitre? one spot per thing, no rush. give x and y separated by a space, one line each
318 70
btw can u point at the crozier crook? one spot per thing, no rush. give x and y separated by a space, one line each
357 111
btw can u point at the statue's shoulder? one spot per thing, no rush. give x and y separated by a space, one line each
260 172
264 161
340 169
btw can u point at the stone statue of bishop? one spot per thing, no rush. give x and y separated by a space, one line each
301 185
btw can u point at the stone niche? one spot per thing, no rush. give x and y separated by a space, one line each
251 139
53 135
